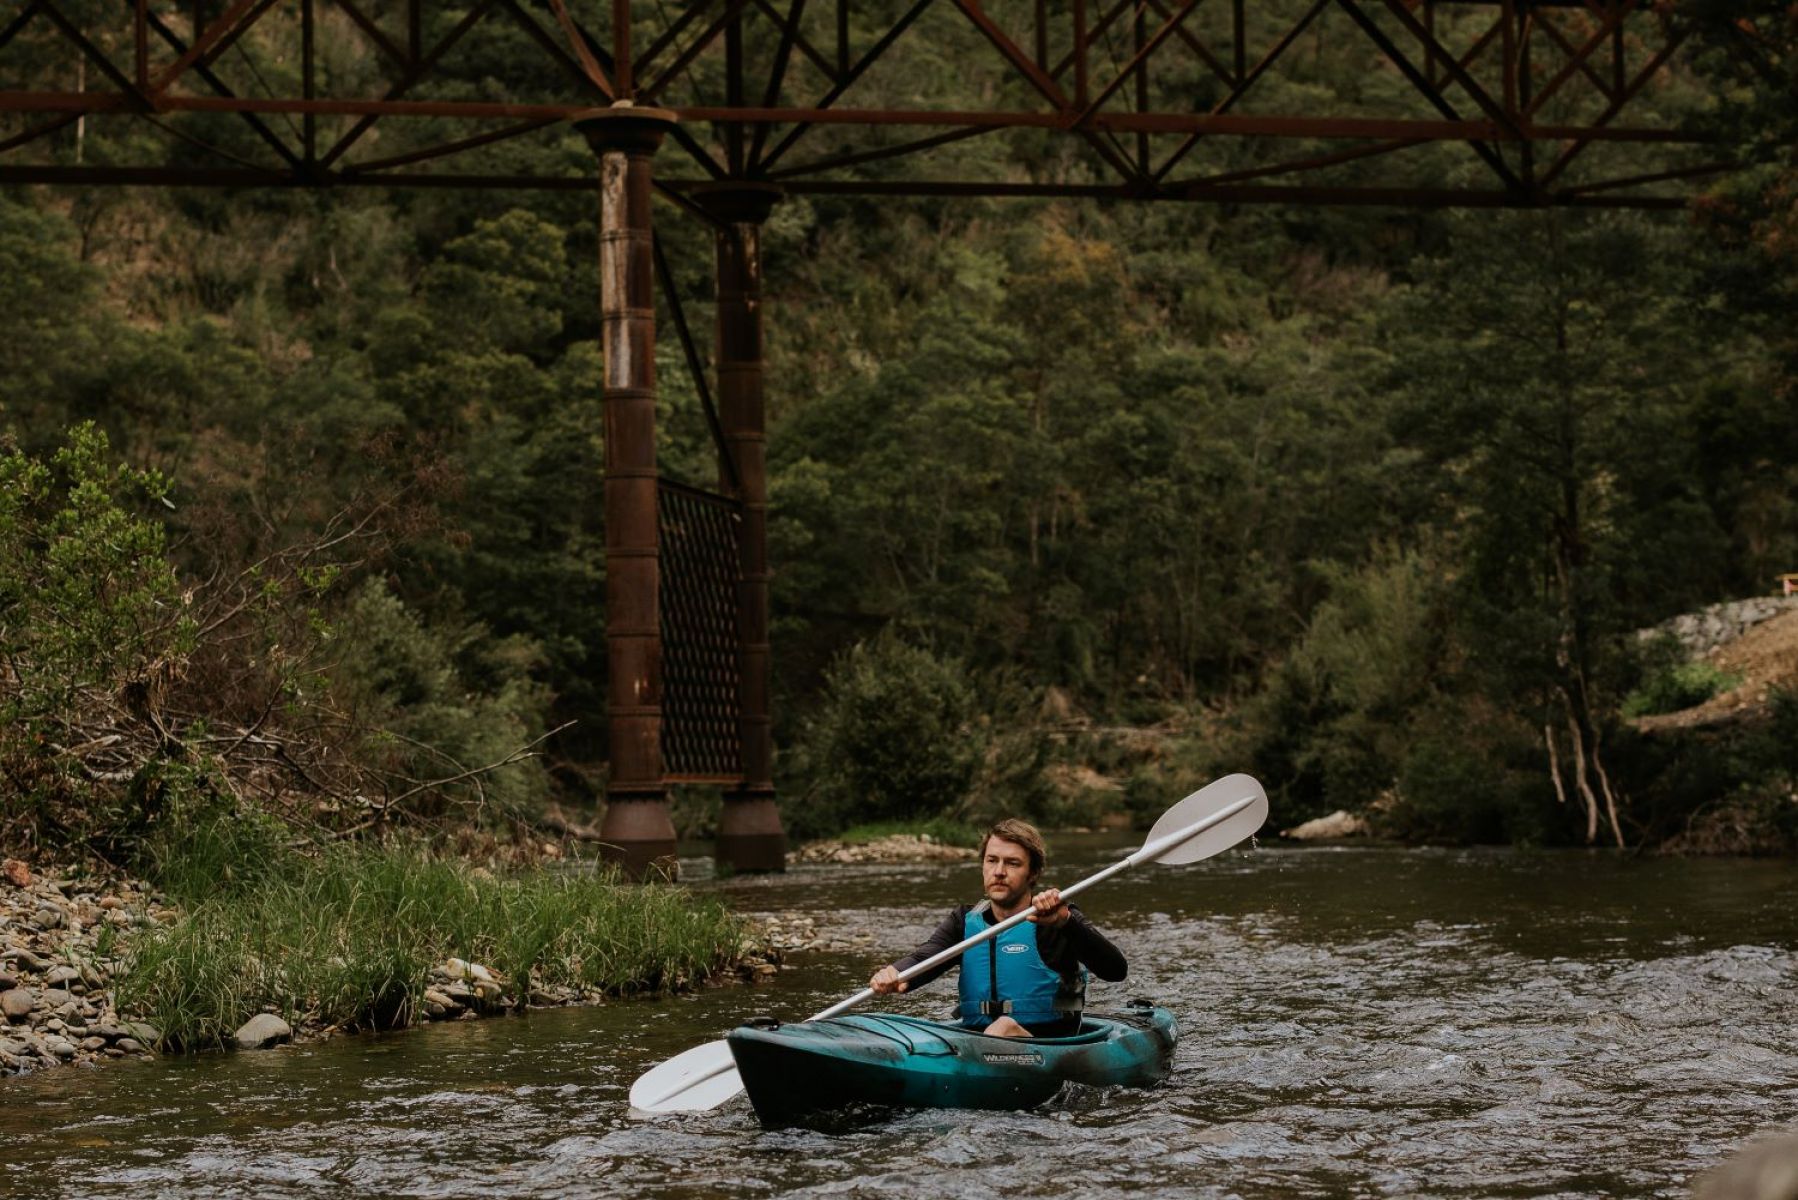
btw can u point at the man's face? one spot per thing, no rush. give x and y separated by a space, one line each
1005 869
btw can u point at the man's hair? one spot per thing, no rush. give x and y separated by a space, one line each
1022 833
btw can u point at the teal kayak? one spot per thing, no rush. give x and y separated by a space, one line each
793 1071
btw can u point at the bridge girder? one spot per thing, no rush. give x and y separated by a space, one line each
1416 102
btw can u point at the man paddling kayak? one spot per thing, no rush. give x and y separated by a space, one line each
1030 981
1210 821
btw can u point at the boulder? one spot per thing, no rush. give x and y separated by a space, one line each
143 1032
440 999
1337 825
1766 1170
28 960
457 968
262 1031
16 1005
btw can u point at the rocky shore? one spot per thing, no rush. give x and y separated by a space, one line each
59 936
899 848
64 934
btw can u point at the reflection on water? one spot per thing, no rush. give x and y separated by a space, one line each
1366 1022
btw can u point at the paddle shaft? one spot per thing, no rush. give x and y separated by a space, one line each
1148 853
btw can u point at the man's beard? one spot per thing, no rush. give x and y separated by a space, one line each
1011 896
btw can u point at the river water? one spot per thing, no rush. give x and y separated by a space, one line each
1354 1022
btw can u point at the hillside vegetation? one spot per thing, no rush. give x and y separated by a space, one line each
300 503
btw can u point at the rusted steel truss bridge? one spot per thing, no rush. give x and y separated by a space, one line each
725 106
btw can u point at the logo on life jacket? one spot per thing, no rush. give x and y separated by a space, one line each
1015 948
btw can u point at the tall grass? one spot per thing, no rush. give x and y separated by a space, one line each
348 936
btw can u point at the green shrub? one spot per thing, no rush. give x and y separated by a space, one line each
94 628
1011 779
1678 687
88 593
893 738
126 693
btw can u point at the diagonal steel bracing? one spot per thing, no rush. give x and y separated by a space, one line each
1139 85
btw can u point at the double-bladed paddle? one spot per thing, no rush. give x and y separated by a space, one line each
1211 820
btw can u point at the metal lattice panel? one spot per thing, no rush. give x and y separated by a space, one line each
700 576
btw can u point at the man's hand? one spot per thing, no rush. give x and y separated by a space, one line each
886 981
1050 909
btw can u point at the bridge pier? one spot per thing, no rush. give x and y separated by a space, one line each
750 837
637 829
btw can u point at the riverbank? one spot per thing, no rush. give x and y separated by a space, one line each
251 947
94 967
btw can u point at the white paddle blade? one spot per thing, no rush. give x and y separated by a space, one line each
1209 800
701 1078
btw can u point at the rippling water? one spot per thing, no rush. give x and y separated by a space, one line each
1367 1022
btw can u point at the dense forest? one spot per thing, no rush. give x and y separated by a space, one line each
1075 505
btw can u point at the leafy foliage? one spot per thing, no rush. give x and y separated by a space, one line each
1368 502
132 696
1678 687
92 617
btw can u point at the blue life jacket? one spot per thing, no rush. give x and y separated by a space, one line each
1029 990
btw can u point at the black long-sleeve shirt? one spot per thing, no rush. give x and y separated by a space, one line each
1065 948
